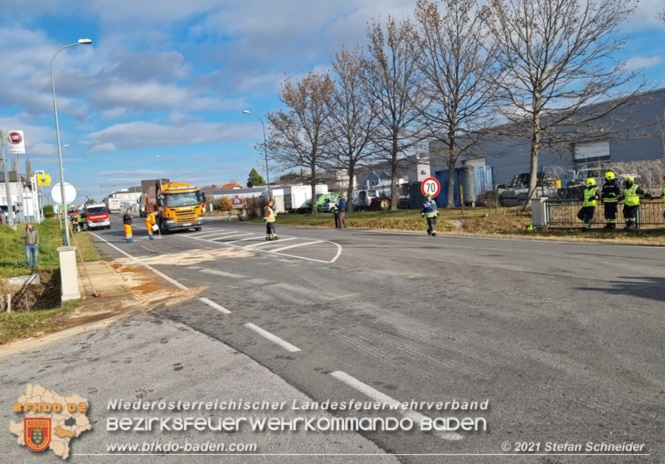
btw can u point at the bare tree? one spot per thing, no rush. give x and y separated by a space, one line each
557 56
457 62
393 81
353 119
298 134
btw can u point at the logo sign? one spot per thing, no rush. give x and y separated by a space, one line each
43 180
430 186
37 433
16 142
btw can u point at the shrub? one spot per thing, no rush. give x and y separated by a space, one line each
224 204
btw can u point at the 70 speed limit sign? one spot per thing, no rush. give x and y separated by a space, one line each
430 186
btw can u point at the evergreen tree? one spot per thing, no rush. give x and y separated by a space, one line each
255 179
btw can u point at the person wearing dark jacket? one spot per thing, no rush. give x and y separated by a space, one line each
430 212
631 202
610 197
341 206
127 222
591 196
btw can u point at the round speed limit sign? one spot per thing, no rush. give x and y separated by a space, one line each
430 186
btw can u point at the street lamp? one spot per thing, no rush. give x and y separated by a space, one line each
265 146
57 132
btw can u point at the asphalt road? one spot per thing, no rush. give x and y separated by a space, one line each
562 341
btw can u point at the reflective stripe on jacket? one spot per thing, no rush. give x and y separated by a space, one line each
429 209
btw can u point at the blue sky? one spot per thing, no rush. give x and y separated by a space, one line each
161 90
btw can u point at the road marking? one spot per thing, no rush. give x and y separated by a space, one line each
413 275
332 298
229 236
295 246
382 398
160 274
273 338
268 242
208 234
212 304
222 273
255 237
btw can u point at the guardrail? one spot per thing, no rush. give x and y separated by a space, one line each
563 213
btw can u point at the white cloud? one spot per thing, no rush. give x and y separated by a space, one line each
642 62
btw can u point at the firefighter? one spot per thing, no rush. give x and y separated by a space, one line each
631 202
429 211
610 197
591 196
150 221
335 211
269 217
127 222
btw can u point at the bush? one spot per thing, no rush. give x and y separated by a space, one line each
224 204
48 211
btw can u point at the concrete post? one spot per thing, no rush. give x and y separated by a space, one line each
69 273
539 212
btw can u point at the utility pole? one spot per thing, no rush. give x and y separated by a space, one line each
10 210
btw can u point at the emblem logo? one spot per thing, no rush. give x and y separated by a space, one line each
37 433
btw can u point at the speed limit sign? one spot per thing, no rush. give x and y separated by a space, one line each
431 187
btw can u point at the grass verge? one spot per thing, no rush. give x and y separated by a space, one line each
37 308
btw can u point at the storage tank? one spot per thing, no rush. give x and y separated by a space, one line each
468 183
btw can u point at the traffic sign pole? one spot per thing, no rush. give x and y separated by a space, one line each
10 210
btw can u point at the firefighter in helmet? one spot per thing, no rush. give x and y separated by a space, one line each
591 196
430 212
610 196
631 202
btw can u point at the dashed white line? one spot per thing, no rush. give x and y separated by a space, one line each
382 398
212 304
273 338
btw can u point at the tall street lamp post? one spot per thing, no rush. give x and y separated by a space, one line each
265 146
57 133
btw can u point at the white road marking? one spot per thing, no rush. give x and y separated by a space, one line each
160 274
268 242
212 304
273 338
228 236
222 273
382 398
216 234
295 246
254 237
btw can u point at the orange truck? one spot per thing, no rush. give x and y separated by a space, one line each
179 205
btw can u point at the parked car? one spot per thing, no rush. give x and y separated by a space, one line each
328 205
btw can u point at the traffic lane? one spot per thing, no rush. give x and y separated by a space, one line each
522 338
518 334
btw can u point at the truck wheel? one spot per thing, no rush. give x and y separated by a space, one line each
197 229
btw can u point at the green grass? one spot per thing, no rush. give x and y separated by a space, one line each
15 326
12 248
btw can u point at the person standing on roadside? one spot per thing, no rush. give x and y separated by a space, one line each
335 210
127 223
150 221
31 238
341 206
430 212
610 196
590 198
631 202
269 217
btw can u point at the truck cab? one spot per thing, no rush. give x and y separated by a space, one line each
97 216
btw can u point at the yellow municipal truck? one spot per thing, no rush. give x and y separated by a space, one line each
179 205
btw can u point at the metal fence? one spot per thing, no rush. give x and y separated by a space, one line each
563 213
